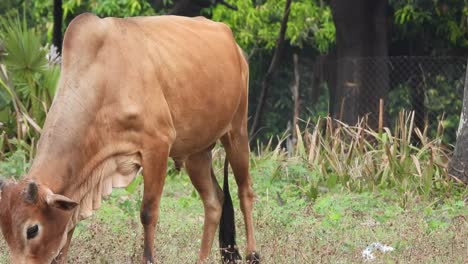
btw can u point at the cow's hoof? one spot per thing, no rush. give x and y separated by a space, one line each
147 261
230 256
253 258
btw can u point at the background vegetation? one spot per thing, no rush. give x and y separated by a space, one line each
322 197
415 28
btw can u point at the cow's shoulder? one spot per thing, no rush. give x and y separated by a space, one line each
83 38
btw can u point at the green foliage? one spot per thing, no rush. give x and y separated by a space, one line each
446 20
26 63
119 8
442 89
7 7
27 80
257 27
311 24
25 55
427 26
37 13
15 166
5 98
409 14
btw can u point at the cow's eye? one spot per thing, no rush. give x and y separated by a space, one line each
32 232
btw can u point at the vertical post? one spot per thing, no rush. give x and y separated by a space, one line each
342 108
381 115
295 97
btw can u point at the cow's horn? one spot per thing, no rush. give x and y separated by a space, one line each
30 194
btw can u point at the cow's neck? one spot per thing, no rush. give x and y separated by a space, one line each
77 159
87 180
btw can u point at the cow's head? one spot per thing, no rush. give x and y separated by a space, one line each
33 221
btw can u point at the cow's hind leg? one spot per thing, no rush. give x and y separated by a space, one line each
236 145
200 171
154 174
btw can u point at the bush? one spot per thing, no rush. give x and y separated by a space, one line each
27 79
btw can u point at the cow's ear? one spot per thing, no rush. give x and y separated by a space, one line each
61 202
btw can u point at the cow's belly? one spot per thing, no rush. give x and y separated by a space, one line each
198 132
200 122
183 148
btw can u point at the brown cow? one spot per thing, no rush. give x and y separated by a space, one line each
134 92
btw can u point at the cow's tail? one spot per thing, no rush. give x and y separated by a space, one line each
227 227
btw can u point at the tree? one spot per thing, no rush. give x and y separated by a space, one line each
360 67
426 28
458 167
256 27
189 8
58 18
271 69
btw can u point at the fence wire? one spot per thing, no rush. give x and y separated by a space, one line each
432 87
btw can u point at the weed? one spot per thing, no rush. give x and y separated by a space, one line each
15 165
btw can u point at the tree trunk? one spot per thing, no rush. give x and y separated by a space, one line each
361 61
192 8
189 8
458 167
271 70
57 31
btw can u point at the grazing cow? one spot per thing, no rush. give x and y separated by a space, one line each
134 92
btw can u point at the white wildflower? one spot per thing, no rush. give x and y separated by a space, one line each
367 252
53 57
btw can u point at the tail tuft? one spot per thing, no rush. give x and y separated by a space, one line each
227 227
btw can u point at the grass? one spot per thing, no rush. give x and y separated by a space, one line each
333 228
341 189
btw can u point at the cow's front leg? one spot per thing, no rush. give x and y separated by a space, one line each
154 174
